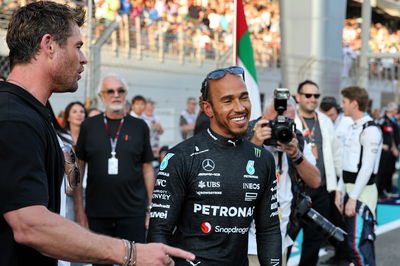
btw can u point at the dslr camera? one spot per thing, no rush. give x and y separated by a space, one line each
308 214
282 128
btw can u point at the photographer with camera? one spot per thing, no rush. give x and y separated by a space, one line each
361 153
276 133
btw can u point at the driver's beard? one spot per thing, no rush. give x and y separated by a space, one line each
237 135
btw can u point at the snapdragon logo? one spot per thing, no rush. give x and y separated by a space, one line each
164 162
231 230
206 227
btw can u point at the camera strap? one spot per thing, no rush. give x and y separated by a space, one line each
309 135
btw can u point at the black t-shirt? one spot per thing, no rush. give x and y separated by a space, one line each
318 141
31 164
210 188
124 194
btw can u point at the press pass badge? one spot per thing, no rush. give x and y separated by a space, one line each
113 166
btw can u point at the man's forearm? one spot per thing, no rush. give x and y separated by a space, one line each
57 237
309 173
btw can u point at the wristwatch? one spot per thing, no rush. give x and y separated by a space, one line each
298 159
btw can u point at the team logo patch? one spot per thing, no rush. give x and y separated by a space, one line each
206 227
257 152
250 167
208 165
164 162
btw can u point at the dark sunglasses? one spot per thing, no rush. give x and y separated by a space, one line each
71 166
120 91
218 74
309 95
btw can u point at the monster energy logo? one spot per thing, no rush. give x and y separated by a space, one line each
257 152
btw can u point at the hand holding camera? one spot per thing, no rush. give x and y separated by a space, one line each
261 132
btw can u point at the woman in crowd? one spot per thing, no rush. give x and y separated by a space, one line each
74 115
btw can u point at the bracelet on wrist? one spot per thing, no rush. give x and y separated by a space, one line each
298 159
132 257
128 252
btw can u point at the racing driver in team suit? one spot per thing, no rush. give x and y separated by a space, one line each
210 186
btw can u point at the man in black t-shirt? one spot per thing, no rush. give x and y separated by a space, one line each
45 57
116 148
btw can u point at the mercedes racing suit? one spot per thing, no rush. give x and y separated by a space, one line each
207 192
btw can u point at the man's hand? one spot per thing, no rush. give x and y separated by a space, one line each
158 254
350 209
291 148
261 132
338 201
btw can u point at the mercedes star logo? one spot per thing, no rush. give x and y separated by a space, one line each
208 165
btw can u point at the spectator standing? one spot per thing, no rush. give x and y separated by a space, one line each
138 105
290 166
331 108
117 150
187 120
318 130
93 112
362 149
45 57
390 152
156 130
75 113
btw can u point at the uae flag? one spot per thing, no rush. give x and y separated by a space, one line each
245 59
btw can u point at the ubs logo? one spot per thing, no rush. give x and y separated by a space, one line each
208 165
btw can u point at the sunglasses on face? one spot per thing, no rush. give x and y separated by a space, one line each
71 166
218 74
309 95
119 91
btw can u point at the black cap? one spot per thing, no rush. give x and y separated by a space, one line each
328 102
164 149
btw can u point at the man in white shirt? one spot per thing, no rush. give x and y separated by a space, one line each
342 123
331 108
362 150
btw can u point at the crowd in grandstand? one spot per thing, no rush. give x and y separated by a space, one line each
207 27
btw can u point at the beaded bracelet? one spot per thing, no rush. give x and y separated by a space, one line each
132 257
128 252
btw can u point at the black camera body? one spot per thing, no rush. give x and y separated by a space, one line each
282 128
308 214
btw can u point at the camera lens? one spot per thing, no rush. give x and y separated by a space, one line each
284 134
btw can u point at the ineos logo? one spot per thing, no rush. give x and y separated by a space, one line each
208 165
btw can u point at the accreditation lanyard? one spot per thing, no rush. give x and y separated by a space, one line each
310 134
113 141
